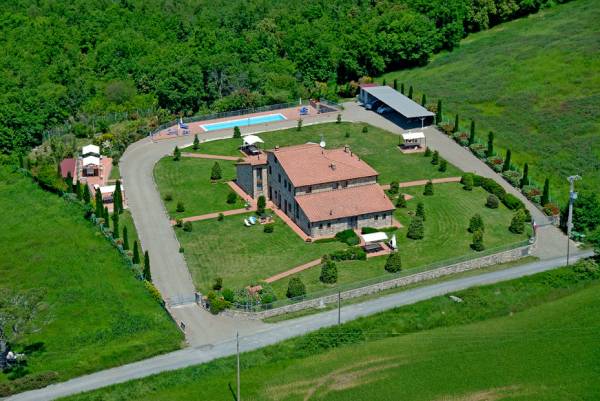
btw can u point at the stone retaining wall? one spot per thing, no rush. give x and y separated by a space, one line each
489 260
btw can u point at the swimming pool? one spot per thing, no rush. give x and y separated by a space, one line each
242 122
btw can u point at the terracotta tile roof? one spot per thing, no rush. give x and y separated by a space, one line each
352 201
66 166
308 164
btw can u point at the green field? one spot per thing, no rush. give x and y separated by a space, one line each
188 181
535 83
446 236
379 148
528 339
96 315
243 255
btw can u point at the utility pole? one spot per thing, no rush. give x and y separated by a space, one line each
339 308
572 197
237 338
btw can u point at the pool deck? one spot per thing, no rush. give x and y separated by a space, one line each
291 114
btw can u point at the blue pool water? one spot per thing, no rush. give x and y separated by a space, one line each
242 122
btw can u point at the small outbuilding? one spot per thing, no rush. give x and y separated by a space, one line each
90 166
413 140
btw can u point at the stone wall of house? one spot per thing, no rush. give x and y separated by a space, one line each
331 227
502 257
281 192
260 172
244 178
331 186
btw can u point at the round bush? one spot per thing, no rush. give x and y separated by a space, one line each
492 201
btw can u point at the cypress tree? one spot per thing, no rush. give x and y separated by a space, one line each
525 178
490 144
176 154
476 223
427 152
77 190
435 159
439 114
428 191
196 144
69 182
401 202
410 92
395 84
146 272
115 219
420 210
99 207
443 165
393 264
416 229
384 83
546 192
118 198
424 100
125 239
472 136
106 217
236 132
402 88
216 173
136 253
477 244
506 165
456 124
85 194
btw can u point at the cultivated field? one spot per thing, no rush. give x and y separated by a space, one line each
95 313
528 339
535 83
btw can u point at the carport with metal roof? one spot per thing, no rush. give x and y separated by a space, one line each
395 106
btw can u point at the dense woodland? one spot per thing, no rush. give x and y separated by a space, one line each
71 59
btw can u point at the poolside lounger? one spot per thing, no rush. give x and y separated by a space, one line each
252 220
247 223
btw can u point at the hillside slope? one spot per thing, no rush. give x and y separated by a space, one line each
535 82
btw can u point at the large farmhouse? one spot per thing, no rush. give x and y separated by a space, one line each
323 191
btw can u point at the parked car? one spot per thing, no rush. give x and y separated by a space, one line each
383 109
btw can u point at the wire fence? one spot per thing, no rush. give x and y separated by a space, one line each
257 307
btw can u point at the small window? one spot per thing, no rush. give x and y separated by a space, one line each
328 225
376 217
308 189
279 177
335 185
269 169
320 226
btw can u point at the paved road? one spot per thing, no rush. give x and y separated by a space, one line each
273 333
552 243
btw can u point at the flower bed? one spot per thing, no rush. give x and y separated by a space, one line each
532 193
479 150
513 177
496 163
462 138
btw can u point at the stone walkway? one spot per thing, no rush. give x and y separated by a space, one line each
207 156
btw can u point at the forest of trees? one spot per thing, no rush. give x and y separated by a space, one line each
66 59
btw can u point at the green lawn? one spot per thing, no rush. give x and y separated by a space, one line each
377 147
98 315
115 174
533 338
535 83
448 213
243 255
188 181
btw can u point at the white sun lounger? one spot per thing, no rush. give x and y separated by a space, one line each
247 223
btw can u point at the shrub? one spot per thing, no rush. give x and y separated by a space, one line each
216 173
428 191
299 126
435 158
329 273
347 134
476 223
236 132
532 193
427 152
176 154
338 119
180 207
496 163
218 284
365 129
231 198
513 177
187 226
517 224
462 138
512 202
179 223
217 303
196 144
181 250
467 181
168 197
478 150
493 187
351 253
447 128
443 165
261 203
296 288
228 295
492 201
393 264
416 229
401 202
394 187
348 236
154 292
551 209
269 228
368 230
477 244
420 211
220 217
